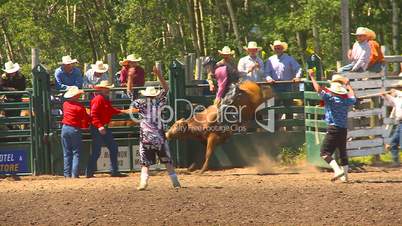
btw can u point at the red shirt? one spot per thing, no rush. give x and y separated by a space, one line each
139 76
75 114
102 111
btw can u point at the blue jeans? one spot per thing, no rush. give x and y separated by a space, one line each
347 68
377 67
71 139
395 143
278 88
97 141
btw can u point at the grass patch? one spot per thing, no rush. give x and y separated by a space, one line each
291 156
385 158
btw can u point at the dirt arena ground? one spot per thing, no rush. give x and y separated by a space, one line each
230 197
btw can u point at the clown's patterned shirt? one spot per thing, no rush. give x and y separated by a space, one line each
336 109
150 111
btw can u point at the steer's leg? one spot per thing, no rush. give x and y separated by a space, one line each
211 143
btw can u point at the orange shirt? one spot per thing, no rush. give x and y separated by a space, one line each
376 54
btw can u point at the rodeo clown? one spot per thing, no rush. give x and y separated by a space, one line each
337 100
152 135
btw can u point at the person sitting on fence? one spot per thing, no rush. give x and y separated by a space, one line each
360 53
101 115
75 118
251 67
337 100
225 75
395 100
67 74
376 56
281 67
12 80
152 136
96 74
132 74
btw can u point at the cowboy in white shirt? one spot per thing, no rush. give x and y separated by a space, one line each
251 67
96 74
360 55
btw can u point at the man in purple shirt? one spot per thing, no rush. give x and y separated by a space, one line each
225 74
67 74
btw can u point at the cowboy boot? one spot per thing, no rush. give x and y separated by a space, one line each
345 178
338 172
143 185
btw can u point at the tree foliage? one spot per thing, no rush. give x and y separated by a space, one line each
167 29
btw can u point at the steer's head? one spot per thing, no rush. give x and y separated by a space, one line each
178 129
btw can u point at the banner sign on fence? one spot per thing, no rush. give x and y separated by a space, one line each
13 161
123 159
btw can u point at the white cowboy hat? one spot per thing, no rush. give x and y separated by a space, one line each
100 67
132 58
67 60
361 31
252 45
150 91
72 91
338 78
226 51
337 88
104 84
279 43
10 67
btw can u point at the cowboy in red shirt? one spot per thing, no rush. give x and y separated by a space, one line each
132 74
75 118
102 112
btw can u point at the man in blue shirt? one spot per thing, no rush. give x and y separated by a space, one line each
337 100
281 67
67 74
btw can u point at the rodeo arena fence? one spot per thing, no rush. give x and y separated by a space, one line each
30 143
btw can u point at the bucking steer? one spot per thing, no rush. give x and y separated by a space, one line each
205 127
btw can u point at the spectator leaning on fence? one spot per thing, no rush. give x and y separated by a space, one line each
337 100
96 74
152 135
281 67
67 74
101 115
395 100
12 80
251 67
75 118
376 57
360 53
